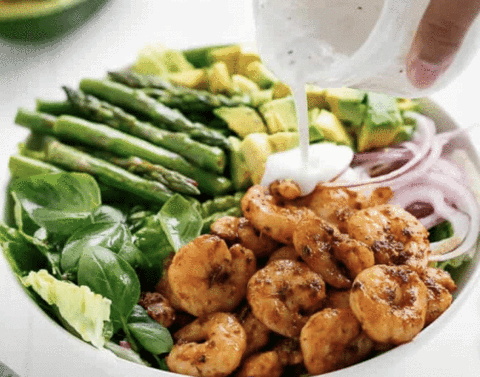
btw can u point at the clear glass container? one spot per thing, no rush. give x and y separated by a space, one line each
353 43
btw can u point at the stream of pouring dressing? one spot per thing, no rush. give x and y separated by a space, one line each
301 51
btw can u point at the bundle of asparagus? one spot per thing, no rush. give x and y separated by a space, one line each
130 132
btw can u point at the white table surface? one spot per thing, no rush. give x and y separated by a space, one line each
110 41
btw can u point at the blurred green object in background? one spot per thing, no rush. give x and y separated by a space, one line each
43 20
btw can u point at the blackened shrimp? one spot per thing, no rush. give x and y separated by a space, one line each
257 333
158 308
284 294
240 230
390 302
439 296
395 236
332 339
269 216
327 251
206 276
337 204
210 346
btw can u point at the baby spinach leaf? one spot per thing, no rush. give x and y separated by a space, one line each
107 274
155 338
22 219
22 255
59 202
107 214
114 236
181 222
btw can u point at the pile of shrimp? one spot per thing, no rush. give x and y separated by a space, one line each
299 285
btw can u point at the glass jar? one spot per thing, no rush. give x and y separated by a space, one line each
348 43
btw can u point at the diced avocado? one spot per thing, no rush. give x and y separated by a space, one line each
316 97
255 149
283 141
244 85
199 56
158 59
260 97
245 58
383 123
347 104
407 104
219 80
258 73
280 115
193 78
239 173
281 90
329 125
242 120
229 55
40 21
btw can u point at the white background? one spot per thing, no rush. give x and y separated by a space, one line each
111 41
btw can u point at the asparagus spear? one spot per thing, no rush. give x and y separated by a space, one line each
179 97
171 179
54 152
161 115
55 107
90 107
112 140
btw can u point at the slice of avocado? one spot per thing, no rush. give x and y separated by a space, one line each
39 21
239 173
242 120
347 104
280 115
326 123
383 123
255 149
260 97
259 73
281 90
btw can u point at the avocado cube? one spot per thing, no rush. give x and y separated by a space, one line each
383 123
242 120
347 104
193 78
219 80
175 61
229 55
245 58
280 115
316 97
283 141
259 73
244 85
326 123
281 90
239 173
260 97
407 104
255 149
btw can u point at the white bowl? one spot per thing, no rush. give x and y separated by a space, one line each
48 350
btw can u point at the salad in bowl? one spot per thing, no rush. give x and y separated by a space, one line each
138 221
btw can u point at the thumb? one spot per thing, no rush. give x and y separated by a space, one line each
438 38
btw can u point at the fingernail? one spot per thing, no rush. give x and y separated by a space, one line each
423 74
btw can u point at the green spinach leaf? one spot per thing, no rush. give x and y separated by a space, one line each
180 220
22 255
107 214
59 202
155 338
107 274
114 236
